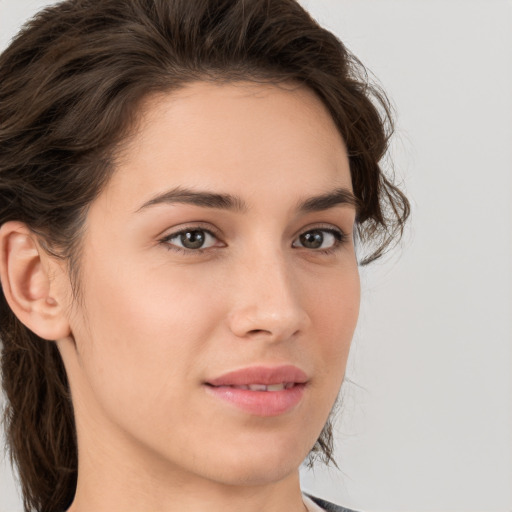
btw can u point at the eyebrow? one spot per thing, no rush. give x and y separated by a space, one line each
197 198
337 197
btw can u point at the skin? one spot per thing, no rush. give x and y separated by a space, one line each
155 321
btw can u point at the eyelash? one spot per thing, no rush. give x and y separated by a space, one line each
183 250
339 236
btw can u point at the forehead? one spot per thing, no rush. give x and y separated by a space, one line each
236 137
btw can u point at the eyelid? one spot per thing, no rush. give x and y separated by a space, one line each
190 226
194 226
332 228
340 235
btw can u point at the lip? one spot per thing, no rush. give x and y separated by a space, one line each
260 403
261 375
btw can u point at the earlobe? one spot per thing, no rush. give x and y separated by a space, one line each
27 284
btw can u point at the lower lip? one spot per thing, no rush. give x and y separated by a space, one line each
260 403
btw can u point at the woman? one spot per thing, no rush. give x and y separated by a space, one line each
183 185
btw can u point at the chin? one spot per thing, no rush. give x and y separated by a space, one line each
259 464
249 473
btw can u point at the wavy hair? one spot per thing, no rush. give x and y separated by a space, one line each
71 82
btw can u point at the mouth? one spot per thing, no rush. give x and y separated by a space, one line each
263 387
260 391
259 376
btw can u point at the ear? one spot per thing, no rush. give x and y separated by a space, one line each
26 273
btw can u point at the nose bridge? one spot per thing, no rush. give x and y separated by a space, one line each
267 302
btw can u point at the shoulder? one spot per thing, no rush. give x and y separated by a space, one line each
328 506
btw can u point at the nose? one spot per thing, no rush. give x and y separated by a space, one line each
267 301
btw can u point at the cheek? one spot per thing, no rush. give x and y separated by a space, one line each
334 313
334 306
136 327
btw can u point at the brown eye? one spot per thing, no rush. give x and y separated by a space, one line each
192 239
319 239
312 239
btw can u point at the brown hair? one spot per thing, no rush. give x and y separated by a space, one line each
70 85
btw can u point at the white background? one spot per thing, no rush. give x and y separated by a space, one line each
426 420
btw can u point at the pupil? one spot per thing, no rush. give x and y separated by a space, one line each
312 239
192 239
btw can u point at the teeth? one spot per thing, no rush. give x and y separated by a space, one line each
275 387
262 387
257 387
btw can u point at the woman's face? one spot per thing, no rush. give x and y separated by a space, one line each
219 260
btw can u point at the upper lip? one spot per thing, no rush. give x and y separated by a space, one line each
261 375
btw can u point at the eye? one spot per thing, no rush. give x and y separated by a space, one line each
319 239
191 239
